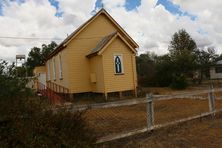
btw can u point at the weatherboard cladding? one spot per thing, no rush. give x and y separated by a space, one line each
101 37
118 82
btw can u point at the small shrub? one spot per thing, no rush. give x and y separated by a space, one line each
140 92
11 85
25 123
179 82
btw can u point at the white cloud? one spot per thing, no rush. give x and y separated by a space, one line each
151 26
209 14
36 18
30 19
76 11
113 4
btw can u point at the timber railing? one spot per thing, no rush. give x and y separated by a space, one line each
55 93
60 90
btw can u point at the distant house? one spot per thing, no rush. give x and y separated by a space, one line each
216 70
98 57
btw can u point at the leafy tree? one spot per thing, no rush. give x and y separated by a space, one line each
47 49
183 63
181 41
164 70
182 53
37 56
154 70
146 69
204 60
10 84
219 57
21 71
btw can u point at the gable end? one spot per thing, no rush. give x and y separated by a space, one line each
63 45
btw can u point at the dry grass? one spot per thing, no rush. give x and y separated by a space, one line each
169 91
122 119
117 120
197 133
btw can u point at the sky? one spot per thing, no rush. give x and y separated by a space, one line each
151 23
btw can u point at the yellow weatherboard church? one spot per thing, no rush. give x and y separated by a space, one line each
98 57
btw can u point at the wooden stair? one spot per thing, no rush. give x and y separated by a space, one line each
55 97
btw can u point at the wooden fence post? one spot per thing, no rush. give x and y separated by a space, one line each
150 111
211 99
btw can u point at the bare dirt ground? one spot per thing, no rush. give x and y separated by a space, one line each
118 120
204 133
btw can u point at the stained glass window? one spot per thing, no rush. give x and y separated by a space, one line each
118 64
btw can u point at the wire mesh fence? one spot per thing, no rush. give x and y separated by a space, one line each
116 120
126 117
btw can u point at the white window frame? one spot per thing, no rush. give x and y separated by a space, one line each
121 59
60 67
54 69
48 64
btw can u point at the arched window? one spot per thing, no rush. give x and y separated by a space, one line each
54 69
118 64
60 67
48 69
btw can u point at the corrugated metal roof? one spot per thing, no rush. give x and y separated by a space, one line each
105 40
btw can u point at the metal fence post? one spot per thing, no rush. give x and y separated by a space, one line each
211 99
150 111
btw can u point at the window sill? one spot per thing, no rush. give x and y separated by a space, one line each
119 73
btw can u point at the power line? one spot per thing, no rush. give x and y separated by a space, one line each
27 38
39 38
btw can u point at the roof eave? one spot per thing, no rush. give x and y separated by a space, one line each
122 38
92 55
134 42
57 50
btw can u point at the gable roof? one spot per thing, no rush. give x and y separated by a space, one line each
64 43
105 41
